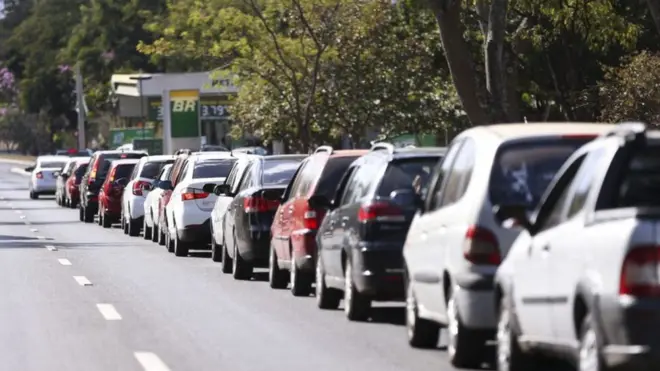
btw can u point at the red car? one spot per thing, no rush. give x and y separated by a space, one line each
112 189
71 191
293 244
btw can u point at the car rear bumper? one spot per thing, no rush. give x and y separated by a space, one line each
379 268
629 329
41 186
303 243
196 233
255 248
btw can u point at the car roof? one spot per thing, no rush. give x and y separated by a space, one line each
158 158
526 130
283 157
201 156
117 152
125 161
53 158
346 152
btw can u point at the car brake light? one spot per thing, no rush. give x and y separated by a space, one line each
193 194
380 211
481 246
253 204
39 175
137 187
310 219
639 273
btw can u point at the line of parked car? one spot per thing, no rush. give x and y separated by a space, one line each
541 237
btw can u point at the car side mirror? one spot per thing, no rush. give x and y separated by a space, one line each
406 197
29 169
57 173
513 216
319 202
222 189
209 187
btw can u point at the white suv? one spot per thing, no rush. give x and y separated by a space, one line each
189 211
582 281
455 243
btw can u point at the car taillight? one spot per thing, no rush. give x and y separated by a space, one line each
137 187
639 273
193 194
310 219
254 204
481 246
39 175
381 212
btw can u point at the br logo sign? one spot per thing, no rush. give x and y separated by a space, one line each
188 105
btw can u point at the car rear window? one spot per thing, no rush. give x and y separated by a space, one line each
410 174
641 180
52 164
332 173
80 170
124 171
107 159
523 170
279 172
217 168
151 169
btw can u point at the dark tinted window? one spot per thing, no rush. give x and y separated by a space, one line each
80 171
641 181
109 157
334 170
219 168
52 164
152 169
407 174
279 172
124 171
522 171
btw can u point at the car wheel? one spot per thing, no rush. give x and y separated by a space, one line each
241 269
33 195
509 355
227 263
590 356
99 216
465 347
326 297
356 305
146 229
161 236
88 214
169 242
301 282
133 226
107 221
58 200
422 333
155 234
81 214
216 252
181 248
277 278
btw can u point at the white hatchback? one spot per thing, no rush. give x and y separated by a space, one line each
151 208
43 177
189 211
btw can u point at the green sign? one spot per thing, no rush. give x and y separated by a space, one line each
209 109
152 146
125 136
185 113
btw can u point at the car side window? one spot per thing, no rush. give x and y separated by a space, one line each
583 181
134 174
361 182
247 178
460 174
309 178
232 174
293 190
555 213
348 187
434 196
182 173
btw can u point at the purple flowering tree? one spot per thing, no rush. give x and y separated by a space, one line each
7 87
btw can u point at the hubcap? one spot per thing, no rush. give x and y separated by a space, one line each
589 352
319 280
504 339
452 326
411 317
234 263
293 275
348 285
271 266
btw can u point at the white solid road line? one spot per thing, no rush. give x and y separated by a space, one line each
150 361
108 312
82 280
41 237
22 217
64 261
51 248
34 230
18 211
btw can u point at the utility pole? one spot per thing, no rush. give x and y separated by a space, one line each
80 98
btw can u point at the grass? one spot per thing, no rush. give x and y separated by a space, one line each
8 156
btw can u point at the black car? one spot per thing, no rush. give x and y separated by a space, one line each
360 241
250 214
91 182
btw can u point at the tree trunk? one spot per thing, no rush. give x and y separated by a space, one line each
654 7
494 59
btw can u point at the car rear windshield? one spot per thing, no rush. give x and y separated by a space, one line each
107 159
80 170
124 171
151 169
332 173
218 168
410 174
523 170
52 165
641 180
279 172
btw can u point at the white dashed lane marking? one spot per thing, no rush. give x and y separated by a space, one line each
82 280
150 361
22 217
34 230
41 237
64 261
108 312
51 248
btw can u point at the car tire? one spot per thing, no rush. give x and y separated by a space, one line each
301 282
34 195
421 332
216 251
147 230
106 221
88 215
326 297
241 269
357 306
181 248
155 234
169 242
227 264
466 348
509 355
161 236
81 214
133 226
590 356
277 278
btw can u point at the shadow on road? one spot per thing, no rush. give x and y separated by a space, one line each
40 223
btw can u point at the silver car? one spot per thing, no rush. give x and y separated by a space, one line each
43 177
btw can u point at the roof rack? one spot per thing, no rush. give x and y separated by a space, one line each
630 131
389 147
328 149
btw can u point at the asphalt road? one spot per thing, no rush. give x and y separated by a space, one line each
76 296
